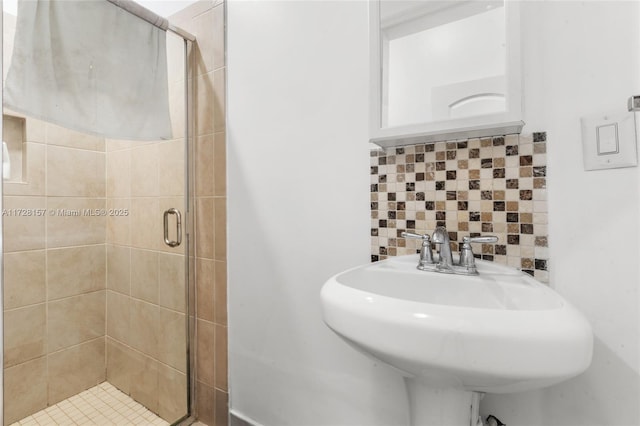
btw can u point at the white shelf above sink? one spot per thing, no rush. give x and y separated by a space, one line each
461 133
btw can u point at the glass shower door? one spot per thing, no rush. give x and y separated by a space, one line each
95 301
146 305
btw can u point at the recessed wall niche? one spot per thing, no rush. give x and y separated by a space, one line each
13 133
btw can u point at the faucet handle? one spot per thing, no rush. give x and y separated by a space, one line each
480 239
426 255
466 253
414 235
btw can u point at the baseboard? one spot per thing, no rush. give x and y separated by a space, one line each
238 419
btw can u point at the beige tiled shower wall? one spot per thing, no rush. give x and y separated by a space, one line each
54 278
206 19
489 186
64 286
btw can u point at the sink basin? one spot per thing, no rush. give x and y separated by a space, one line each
500 331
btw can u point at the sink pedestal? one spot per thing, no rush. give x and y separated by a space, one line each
440 407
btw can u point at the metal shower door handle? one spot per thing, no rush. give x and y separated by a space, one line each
167 241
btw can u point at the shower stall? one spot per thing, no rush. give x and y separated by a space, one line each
98 255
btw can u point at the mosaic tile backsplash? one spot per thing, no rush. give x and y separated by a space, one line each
488 186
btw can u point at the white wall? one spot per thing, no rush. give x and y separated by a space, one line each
298 164
582 58
298 210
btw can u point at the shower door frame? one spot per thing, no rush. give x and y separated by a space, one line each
189 253
1 233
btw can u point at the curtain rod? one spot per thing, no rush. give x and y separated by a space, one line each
182 33
151 17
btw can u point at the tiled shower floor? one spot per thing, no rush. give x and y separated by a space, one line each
101 405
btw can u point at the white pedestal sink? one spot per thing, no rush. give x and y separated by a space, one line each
454 337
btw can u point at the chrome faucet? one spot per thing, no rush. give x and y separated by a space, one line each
441 237
466 264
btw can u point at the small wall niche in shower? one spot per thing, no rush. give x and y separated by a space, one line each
13 133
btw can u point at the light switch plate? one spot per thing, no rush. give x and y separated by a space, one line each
609 141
